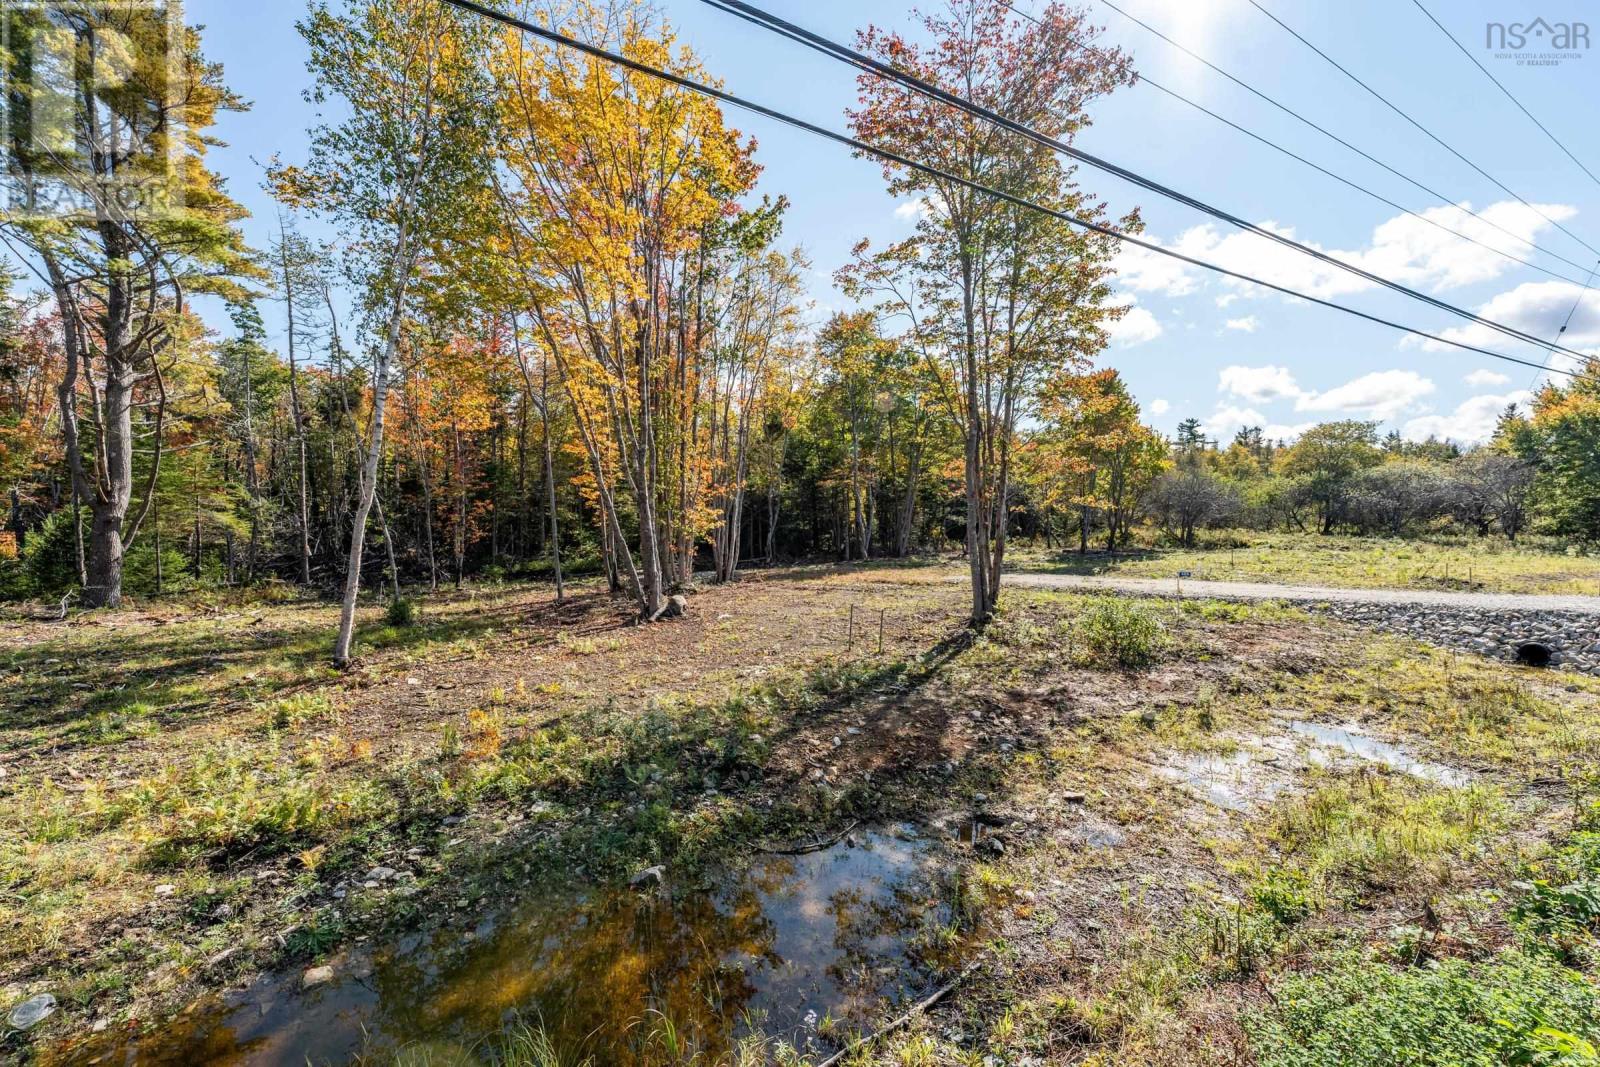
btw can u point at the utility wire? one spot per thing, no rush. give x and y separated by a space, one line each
1548 356
1287 110
1497 84
853 57
861 147
1145 79
1431 135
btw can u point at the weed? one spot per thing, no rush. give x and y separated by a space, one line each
1115 632
1509 1009
292 712
485 734
1285 894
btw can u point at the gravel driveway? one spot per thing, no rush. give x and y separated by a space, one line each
1587 605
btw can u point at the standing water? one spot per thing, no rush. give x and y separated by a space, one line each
778 949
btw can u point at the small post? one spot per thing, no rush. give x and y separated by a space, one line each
851 646
881 613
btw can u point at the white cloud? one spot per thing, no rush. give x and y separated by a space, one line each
1247 324
914 210
1260 385
1226 298
1486 379
1379 395
1402 249
1145 271
1134 328
1159 407
1471 423
1537 308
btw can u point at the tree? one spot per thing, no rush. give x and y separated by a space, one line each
123 222
1493 488
1105 459
995 297
1190 438
397 171
1563 441
1328 457
1393 497
1184 500
611 187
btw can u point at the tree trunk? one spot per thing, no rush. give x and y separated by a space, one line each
550 484
295 413
369 470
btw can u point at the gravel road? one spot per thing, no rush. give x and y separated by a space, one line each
1587 605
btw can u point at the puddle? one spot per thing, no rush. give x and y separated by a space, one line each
834 933
1352 742
1236 782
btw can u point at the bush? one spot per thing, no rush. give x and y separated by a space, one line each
402 612
1120 633
1510 1009
51 560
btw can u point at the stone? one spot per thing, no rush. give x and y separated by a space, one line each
379 874
650 876
676 607
166 890
316 976
32 1012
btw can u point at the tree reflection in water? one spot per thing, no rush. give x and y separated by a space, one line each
834 933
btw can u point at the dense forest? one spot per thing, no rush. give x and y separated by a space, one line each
522 358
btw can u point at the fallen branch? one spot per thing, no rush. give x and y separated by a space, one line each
815 846
917 1009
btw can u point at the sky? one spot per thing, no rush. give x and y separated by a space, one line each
1193 344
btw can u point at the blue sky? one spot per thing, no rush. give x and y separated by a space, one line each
1194 345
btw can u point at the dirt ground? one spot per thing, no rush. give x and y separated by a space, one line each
1109 805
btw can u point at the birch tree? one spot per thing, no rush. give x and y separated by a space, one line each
394 169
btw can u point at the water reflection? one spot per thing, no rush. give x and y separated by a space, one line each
833 933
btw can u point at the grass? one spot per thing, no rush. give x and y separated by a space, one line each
246 782
1491 564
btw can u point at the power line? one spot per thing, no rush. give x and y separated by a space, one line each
723 96
1548 356
1431 135
766 20
1497 84
1287 110
1379 197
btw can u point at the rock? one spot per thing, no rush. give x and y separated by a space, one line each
379 874
32 1012
316 976
1073 798
675 608
166 890
650 876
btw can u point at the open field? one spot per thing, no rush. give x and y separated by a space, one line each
1490 565
1164 832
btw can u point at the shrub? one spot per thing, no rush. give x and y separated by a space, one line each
51 558
1510 1009
1120 633
402 612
